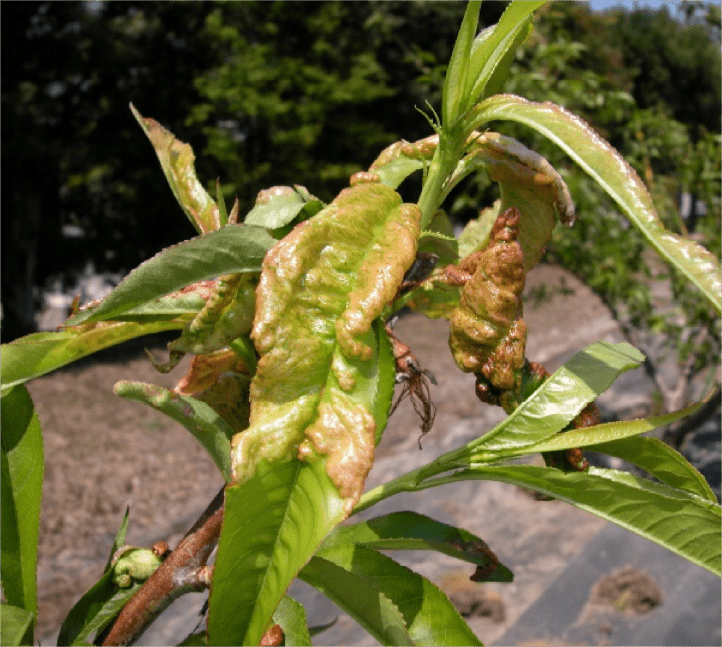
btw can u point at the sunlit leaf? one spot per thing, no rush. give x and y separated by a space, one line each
562 396
231 250
457 84
279 206
661 461
40 353
684 523
494 49
272 524
21 490
365 603
292 617
605 165
208 427
413 531
15 625
177 161
428 614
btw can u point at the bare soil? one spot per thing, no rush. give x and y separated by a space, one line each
104 453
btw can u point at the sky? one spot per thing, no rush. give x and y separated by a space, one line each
599 5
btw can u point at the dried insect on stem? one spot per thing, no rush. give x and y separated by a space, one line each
415 381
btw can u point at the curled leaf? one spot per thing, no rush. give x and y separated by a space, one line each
488 335
177 160
320 290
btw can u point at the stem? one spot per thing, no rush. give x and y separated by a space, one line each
161 588
447 156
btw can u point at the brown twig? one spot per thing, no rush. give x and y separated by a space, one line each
167 583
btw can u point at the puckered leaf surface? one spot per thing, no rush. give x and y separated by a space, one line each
605 165
317 398
321 289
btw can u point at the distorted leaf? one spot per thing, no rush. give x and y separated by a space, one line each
488 335
605 165
292 617
321 288
177 161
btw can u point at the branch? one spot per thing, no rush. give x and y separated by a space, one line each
171 579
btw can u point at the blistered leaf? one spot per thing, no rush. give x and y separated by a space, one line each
527 182
40 353
316 399
488 335
684 523
177 161
232 250
227 315
321 288
605 165
200 419
21 464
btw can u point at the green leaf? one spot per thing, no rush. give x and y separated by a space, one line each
494 49
661 461
279 206
231 250
16 625
84 611
208 427
363 602
272 524
119 540
605 165
21 491
177 161
684 523
414 531
386 379
29 357
561 397
457 83
399 160
315 399
292 617
428 614
95 610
